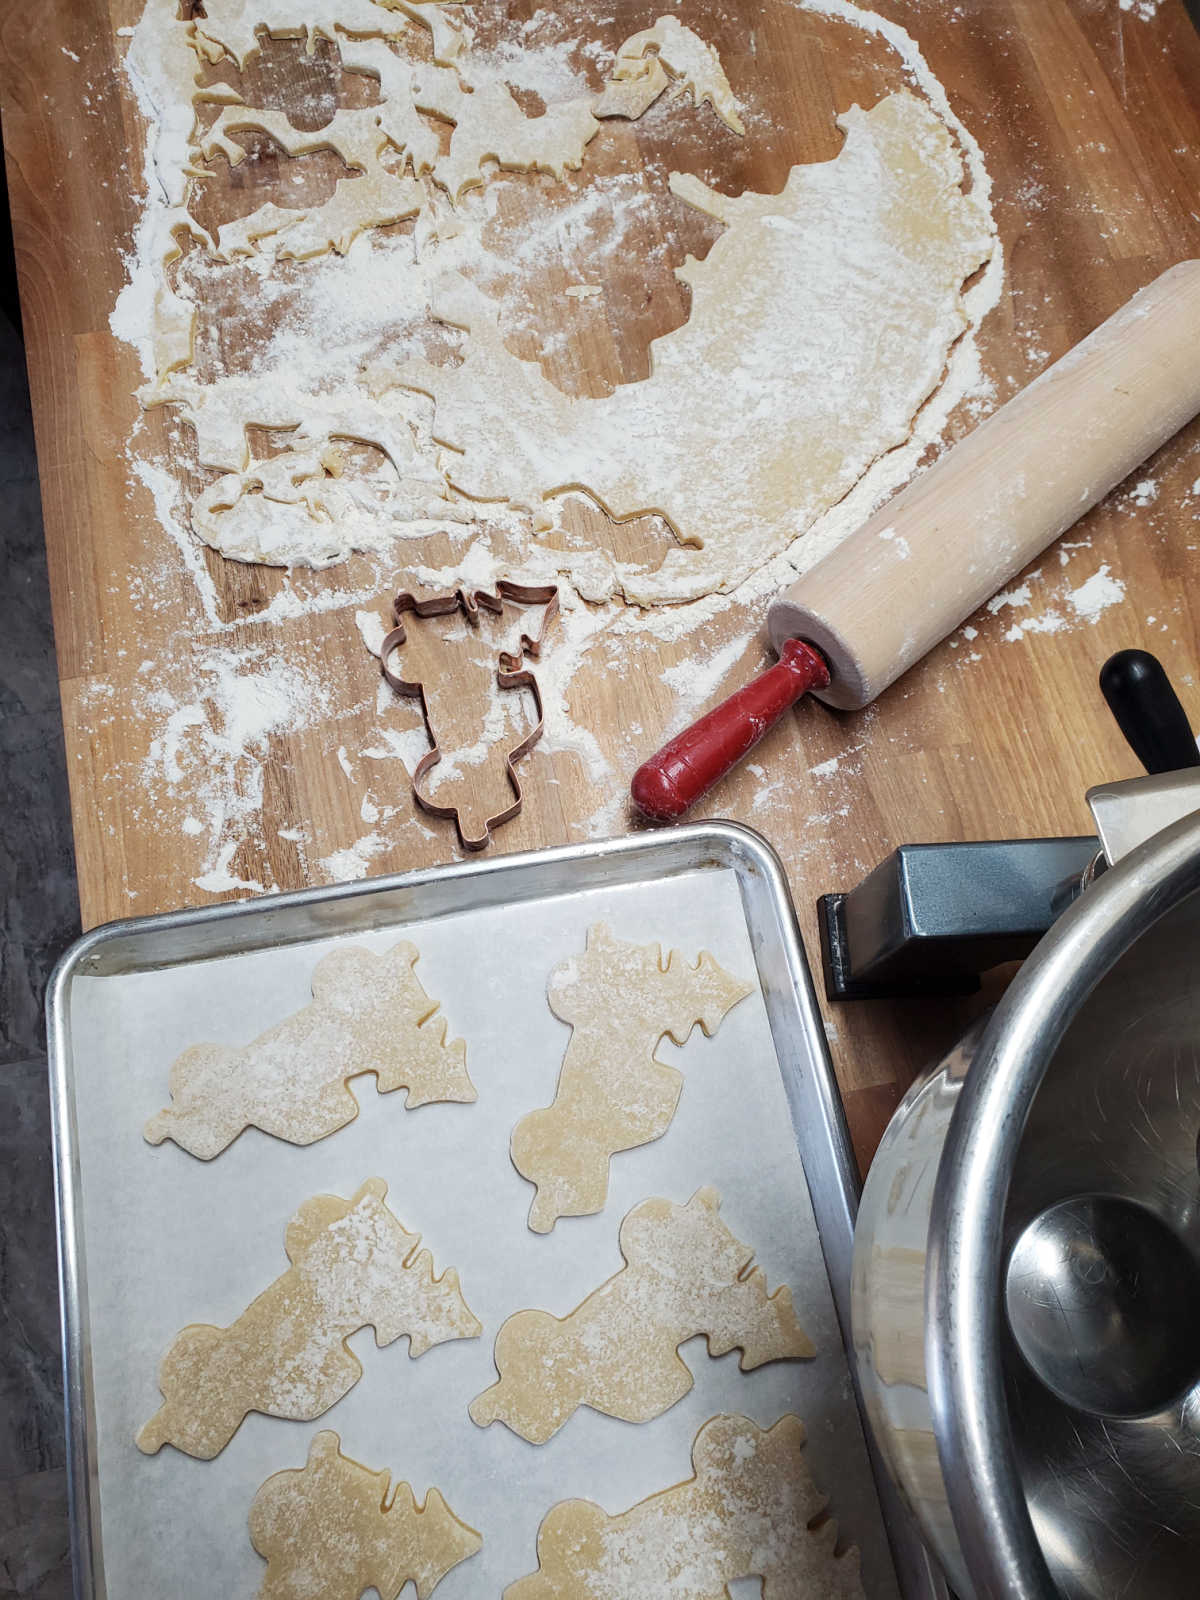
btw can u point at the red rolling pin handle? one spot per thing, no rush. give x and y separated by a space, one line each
686 768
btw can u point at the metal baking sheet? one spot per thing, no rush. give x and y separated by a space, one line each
152 1239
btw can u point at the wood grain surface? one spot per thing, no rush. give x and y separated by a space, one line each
1089 118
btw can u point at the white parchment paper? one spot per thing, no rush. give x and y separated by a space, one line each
170 1240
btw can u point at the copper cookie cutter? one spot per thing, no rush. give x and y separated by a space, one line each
511 673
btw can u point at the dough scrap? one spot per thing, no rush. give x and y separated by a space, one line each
796 402
613 1093
369 1014
632 92
492 127
686 57
332 1529
618 1351
744 1514
298 509
233 26
372 199
353 1265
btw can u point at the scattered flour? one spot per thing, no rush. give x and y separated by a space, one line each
353 863
1081 604
1047 622
220 879
372 629
1096 595
1016 597
696 681
213 749
406 745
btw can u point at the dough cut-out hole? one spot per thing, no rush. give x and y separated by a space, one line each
310 86
441 126
581 525
626 220
529 100
264 443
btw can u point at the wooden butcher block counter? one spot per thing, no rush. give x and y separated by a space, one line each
1087 113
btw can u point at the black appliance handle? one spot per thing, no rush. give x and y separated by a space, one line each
1148 711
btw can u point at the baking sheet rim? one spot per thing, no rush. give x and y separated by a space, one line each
713 845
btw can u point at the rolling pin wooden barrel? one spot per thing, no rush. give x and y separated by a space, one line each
943 545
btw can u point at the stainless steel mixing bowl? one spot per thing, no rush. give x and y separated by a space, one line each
1027 1262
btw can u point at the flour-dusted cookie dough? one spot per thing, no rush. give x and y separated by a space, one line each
332 1529
613 1094
353 1266
369 1014
744 1514
618 1351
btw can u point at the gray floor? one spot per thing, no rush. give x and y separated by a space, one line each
38 918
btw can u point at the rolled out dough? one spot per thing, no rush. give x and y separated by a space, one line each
821 320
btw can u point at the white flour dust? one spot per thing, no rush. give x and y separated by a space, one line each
1055 609
353 863
1094 596
339 328
212 749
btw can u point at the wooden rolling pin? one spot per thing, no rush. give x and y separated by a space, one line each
955 535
